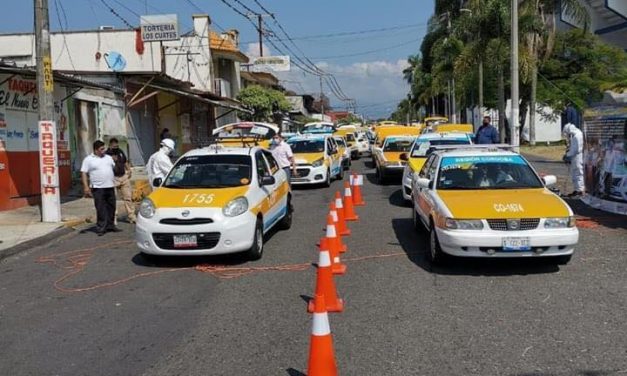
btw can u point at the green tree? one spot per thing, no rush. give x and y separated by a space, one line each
350 119
263 103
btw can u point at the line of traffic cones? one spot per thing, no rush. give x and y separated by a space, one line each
342 209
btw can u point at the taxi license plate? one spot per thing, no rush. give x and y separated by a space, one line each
184 241
516 244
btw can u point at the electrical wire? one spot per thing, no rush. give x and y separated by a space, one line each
371 51
116 14
58 5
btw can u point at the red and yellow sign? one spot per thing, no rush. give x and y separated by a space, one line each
48 159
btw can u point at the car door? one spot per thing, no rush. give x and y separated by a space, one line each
277 199
263 198
422 196
335 157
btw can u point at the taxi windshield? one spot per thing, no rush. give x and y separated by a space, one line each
350 137
397 144
486 172
306 146
210 171
340 141
422 148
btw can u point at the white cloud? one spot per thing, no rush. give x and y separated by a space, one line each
376 85
252 50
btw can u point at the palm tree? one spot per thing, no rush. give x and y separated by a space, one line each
540 17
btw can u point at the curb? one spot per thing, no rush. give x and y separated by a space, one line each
57 233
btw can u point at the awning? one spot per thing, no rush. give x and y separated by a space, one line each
226 103
62 78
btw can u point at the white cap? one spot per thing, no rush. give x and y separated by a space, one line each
168 142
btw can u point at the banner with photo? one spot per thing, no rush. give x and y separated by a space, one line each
605 162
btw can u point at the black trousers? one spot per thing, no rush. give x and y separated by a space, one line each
104 199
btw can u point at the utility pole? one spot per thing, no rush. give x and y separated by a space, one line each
513 124
321 101
48 158
260 31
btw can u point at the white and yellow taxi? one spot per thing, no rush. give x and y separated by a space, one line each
246 133
489 202
420 150
317 159
215 200
387 159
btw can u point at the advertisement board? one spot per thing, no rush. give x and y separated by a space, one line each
160 27
605 162
272 63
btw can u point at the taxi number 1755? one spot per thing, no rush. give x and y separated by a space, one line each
198 198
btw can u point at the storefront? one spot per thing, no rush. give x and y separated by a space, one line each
19 140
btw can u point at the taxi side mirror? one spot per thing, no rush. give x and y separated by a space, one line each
549 180
156 182
423 183
267 180
404 157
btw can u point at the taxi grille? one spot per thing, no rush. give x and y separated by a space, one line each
522 224
204 240
191 221
302 172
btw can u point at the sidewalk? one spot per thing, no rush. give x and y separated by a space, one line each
21 229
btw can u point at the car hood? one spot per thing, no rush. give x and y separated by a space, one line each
195 198
307 157
392 156
504 203
416 163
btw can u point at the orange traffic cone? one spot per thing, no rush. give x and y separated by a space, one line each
349 210
333 213
357 181
321 355
337 266
325 285
341 220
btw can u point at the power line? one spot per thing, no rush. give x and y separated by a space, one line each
370 51
58 5
116 14
199 9
357 32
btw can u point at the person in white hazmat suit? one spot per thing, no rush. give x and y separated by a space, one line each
574 156
159 163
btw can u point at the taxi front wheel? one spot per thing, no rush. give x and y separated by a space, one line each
435 254
256 251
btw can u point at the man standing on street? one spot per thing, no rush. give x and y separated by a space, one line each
574 156
122 173
159 163
487 133
282 152
98 182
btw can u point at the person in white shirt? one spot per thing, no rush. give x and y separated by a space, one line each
282 152
159 163
99 183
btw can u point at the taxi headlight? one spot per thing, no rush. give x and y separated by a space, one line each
318 162
147 208
559 222
463 224
235 207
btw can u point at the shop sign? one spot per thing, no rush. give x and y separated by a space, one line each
159 27
48 162
19 94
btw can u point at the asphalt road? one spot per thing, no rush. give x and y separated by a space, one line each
84 305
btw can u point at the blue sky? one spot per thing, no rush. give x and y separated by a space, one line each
367 65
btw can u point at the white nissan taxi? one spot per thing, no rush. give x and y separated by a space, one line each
215 200
317 159
487 201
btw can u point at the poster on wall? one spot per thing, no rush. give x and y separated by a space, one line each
605 162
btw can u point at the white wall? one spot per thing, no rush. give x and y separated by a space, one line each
77 51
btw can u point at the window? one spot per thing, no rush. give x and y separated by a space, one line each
274 166
210 171
306 146
425 168
262 169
